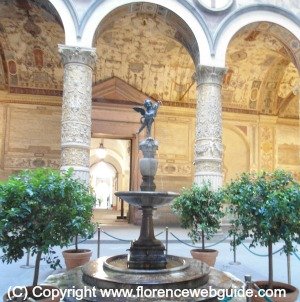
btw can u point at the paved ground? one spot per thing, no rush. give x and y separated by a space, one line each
256 266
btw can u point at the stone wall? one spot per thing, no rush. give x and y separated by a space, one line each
29 137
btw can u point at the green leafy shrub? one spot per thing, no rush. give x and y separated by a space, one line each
266 209
40 209
200 211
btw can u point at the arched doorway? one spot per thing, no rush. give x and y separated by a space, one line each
103 181
110 172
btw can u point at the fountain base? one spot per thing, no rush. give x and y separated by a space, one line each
147 256
112 273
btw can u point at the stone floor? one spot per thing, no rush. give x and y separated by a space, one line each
256 266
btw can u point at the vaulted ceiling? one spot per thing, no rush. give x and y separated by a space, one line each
151 49
140 44
262 77
29 33
141 49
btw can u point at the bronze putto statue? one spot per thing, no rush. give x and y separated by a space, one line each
148 115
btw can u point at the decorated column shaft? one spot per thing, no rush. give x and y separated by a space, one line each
76 109
208 144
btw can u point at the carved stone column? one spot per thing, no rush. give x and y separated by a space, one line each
208 145
76 110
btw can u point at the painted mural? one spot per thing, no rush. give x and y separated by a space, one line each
141 49
150 49
29 34
262 76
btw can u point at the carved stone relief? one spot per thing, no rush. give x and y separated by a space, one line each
73 132
12 162
76 109
75 157
175 169
267 147
208 144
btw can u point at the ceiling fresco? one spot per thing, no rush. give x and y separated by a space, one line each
152 50
29 34
262 77
142 50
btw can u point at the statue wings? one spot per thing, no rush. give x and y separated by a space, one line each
141 110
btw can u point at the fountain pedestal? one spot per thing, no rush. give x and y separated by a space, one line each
147 252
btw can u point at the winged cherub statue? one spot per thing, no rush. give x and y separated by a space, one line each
148 115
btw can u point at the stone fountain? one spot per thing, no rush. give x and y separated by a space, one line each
147 264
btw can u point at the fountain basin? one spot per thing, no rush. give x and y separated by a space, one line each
147 198
73 278
119 264
104 273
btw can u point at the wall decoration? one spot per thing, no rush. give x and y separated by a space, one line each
266 148
151 49
29 33
270 63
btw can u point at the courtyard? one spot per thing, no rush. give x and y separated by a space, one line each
216 85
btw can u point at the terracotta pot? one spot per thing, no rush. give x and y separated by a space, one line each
34 292
291 292
207 255
75 258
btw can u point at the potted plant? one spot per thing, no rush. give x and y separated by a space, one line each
41 209
81 227
266 209
200 211
76 257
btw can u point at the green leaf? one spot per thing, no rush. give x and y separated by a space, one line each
37 211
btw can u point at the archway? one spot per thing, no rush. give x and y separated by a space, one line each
145 50
110 172
183 14
285 21
261 93
103 181
151 49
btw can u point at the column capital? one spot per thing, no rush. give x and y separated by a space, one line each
75 54
209 74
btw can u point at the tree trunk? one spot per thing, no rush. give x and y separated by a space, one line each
76 243
202 237
270 256
37 268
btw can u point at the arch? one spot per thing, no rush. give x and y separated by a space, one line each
98 11
247 15
103 177
111 159
240 133
69 18
106 162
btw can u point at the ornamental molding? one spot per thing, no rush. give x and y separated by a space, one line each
78 55
209 74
